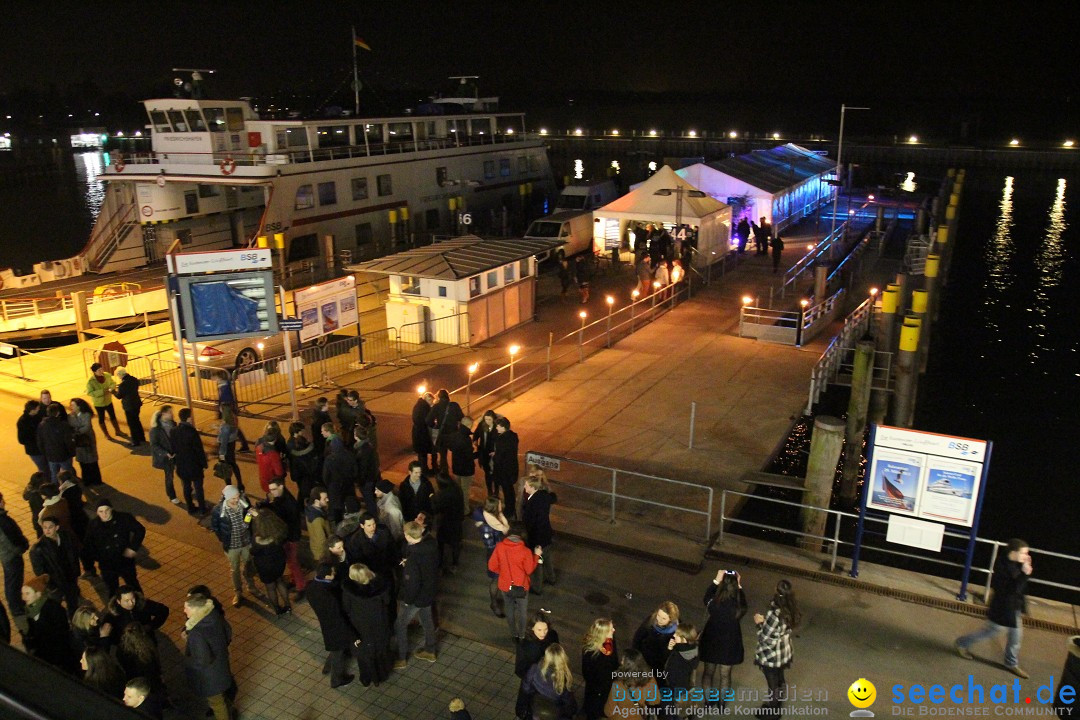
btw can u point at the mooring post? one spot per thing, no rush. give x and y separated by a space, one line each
825 446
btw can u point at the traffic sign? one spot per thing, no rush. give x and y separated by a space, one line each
290 324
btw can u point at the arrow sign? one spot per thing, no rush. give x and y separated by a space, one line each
289 324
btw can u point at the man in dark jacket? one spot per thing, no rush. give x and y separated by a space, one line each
506 464
26 428
463 457
112 539
190 462
346 415
742 230
338 635
320 415
421 435
449 508
1007 605
762 235
536 514
338 474
286 507
443 415
415 493
206 655
12 546
56 554
127 392
367 469
373 545
419 580
56 440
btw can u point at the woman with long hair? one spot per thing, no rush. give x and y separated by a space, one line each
721 644
549 681
652 638
493 527
774 653
81 419
634 692
88 630
539 634
101 671
137 653
599 661
365 597
484 438
268 554
162 454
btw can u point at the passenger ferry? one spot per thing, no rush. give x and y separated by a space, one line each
326 190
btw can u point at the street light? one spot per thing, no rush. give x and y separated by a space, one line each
747 300
513 351
1014 142
633 307
1068 144
421 389
468 386
610 305
581 337
839 163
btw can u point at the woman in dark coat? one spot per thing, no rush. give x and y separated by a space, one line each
421 435
103 672
484 438
48 636
268 555
81 419
366 599
721 644
599 661
505 464
652 638
531 649
206 655
137 654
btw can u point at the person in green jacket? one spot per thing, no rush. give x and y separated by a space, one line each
100 388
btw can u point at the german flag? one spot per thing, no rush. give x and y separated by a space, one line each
361 44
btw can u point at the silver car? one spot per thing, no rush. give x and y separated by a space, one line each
235 354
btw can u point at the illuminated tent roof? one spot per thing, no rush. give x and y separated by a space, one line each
643 202
457 258
772 170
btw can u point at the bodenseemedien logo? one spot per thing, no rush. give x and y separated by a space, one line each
862 695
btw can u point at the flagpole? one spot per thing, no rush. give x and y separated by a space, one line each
355 75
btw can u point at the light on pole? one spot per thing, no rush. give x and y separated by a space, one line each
633 306
839 163
581 337
610 304
468 386
513 351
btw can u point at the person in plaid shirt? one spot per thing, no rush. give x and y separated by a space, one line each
774 654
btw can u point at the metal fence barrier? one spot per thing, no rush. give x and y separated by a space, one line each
617 490
990 548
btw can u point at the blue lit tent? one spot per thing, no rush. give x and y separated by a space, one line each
784 183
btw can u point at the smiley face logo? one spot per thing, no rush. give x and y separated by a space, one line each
862 693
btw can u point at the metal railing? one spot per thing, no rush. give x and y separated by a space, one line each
789 327
614 493
15 308
856 325
821 251
529 367
834 541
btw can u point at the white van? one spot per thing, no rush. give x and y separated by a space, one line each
573 227
587 195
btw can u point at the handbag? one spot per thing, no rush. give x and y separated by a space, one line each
517 591
223 470
436 430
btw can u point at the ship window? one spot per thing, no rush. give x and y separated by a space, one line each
504 167
215 119
235 117
160 121
432 219
328 193
489 169
359 189
523 165
178 121
474 286
209 191
297 137
303 247
508 274
333 136
305 198
401 132
410 285
191 202
440 176
364 235
386 185
195 121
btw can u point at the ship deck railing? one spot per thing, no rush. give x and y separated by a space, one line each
305 155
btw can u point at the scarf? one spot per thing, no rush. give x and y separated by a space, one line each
198 616
668 629
608 647
33 610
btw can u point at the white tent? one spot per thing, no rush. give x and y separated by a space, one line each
657 200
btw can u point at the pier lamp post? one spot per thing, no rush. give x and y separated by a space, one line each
803 304
633 307
839 163
655 291
873 299
421 389
468 386
513 352
581 337
610 304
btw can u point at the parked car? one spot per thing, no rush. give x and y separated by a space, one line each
235 354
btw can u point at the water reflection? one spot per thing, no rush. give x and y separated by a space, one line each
89 166
908 184
1049 261
579 169
1000 251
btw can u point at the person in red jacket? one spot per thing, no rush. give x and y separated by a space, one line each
270 465
515 562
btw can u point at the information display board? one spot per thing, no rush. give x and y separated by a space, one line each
326 307
227 305
926 475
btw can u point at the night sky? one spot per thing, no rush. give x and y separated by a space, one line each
1008 67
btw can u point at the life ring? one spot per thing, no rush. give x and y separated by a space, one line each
228 166
119 164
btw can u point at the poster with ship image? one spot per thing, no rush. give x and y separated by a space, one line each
895 481
950 491
327 307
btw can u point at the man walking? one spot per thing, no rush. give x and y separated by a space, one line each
56 555
112 539
190 462
231 522
339 638
206 655
777 245
514 562
100 387
127 392
12 546
1007 605
420 569
285 506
